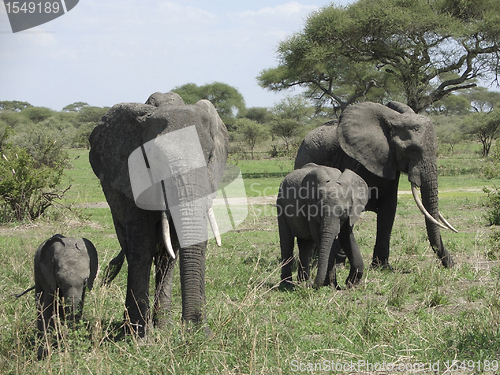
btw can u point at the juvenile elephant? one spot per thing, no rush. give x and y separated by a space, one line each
64 267
378 143
315 204
159 164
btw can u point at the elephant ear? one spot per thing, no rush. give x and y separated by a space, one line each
91 250
220 136
358 193
112 141
44 259
364 133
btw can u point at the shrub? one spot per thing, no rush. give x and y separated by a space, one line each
493 206
27 186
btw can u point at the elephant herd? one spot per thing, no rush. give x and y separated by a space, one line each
160 165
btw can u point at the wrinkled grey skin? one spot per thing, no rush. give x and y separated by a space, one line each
122 130
315 204
64 267
378 143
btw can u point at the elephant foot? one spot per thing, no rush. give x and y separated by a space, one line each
447 261
286 285
381 265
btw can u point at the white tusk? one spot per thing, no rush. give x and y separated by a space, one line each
446 223
166 234
215 227
422 208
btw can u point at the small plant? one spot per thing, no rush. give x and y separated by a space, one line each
493 206
27 187
493 252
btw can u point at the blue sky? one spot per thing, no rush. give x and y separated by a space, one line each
108 52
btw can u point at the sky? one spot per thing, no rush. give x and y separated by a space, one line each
114 51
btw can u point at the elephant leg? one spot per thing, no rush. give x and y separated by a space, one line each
385 220
286 245
306 247
349 244
141 245
164 266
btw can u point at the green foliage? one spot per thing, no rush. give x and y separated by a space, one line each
37 114
30 177
492 204
251 133
226 99
289 116
396 46
13 105
485 127
75 107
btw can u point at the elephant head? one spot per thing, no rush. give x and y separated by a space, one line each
65 267
339 198
390 139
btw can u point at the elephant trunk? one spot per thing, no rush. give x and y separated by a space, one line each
191 198
73 305
429 191
330 228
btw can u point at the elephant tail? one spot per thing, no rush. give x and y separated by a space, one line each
113 268
23 293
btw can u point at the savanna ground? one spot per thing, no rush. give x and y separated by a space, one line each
418 318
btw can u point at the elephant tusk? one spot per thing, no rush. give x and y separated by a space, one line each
422 208
166 234
445 222
215 227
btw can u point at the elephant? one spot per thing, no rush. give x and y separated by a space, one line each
379 142
159 164
315 204
64 267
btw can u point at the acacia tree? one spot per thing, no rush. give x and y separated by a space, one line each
226 99
409 46
252 133
288 116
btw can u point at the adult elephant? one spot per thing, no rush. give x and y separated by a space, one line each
159 165
378 143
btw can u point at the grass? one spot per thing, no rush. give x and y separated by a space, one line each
418 314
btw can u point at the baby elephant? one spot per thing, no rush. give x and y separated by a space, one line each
64 267
315 204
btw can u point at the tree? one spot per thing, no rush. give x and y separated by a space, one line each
75 107
13 105
481 99
289 115
91 114
485 127
258 114
252 132
413 44
37 114
226 99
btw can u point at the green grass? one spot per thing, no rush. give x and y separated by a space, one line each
419 313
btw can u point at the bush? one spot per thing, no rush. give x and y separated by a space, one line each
27 186
493 205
